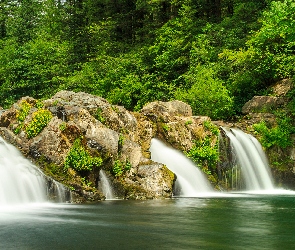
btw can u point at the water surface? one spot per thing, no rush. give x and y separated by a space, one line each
247 221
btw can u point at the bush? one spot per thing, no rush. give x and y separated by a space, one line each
39 121
276 136
207 94
120 168
205 154
79 159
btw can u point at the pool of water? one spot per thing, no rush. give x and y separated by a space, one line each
239 221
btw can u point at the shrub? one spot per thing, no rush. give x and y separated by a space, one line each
276 136
39 121
205 154
207 95
119 167
21 115
79 159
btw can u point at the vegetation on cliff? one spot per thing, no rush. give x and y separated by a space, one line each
214 55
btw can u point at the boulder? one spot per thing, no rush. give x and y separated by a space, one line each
263 104
282 88
151 180
107 131
164 110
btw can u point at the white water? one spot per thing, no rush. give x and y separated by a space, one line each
105 186
21 182
190 179
252 161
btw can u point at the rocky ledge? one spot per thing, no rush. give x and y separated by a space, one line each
72 136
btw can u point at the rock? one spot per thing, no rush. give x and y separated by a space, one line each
117 118
151 181
109 132
281 88
263 104
53 143
164 110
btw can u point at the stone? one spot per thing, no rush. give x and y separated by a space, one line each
110 132
164 110
281 88
260 104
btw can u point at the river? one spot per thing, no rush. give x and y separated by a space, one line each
237 221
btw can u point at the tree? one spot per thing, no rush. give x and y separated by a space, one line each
207 94
23 19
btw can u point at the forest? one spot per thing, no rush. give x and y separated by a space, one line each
212 54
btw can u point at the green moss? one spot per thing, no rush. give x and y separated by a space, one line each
188 122
63 126
120 142
165 127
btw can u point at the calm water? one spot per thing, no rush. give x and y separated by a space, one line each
236 222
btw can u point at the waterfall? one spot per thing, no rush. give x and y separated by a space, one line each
105 186
191 181
248 159
21 182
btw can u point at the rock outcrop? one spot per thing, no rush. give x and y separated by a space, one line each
108 137
265 109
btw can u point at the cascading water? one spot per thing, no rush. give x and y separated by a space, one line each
20 181
249 161
105 186
190 179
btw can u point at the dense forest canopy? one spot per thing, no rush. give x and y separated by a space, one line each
212 54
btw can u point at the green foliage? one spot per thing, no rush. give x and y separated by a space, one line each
188 122
99 116
279 135
40 119
120 142
274 42
23 111
120 168
63 126
205 154
39 104
21 115
267 55
211 127
79 159
165 127
215 55
207 95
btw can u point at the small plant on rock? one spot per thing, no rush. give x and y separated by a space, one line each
79 159
40 119
21 115
120 168
99 116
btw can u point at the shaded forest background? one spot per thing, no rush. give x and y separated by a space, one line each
213 54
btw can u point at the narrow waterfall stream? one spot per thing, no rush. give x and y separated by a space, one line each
248 159
105 186
190 179
21 182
